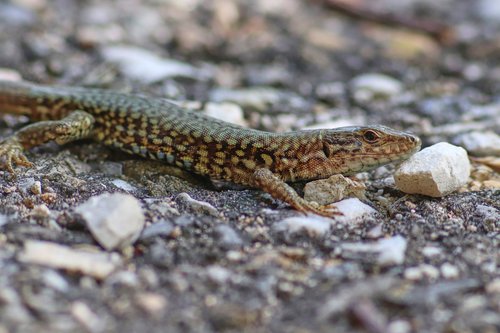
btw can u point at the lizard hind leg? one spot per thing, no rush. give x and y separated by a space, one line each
76 125
265 180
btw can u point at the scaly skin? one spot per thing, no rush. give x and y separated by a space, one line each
157 129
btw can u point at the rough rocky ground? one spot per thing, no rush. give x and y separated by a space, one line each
234 260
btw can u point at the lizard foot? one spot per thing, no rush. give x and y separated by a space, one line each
12 152
326 211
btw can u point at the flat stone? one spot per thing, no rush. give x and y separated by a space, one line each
332 189
229 112
311 225
227 237
87 317
162 228
95 264
258 98
449 271
480 143
197 205
7 74
390 251
420 272
115 220
374 85
353 210
147 67
434 171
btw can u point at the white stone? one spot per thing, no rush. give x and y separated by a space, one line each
419 272
153 303
312 225
480 143
493 287
399 326
115 220
197 205
449 271
489 9
353 210
96 264
123 185
373 85
341 122
431 251
86 317
334 188
218 274
435 171
147 67
229 112
7 74
391 251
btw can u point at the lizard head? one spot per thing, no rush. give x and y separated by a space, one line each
357 149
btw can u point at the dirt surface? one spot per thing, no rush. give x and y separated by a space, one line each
233 260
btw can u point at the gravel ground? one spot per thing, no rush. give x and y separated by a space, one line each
169 254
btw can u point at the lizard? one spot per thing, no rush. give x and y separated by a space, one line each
158 129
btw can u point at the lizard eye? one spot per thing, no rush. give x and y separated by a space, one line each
370 136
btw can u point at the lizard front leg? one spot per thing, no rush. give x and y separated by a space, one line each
265 180
77 125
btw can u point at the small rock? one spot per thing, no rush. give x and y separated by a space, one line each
36 187
493 287
123 278
449 271
487 214
335 188
7 74
162 228
391 251
435 171
218 274
146 67
375 232
399 326
229 112
123 185
96 264
4 219
111 169
26 184
196 205
55 280
371 86
340 122
87 318
268 75
480 143
331 91
16 15
489 10
420 272
312 225
227 237
353 210
258 98
431 251
115 220
154 304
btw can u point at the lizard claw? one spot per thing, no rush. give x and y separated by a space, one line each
12 152
326 210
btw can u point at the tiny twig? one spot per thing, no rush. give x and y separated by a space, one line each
439 31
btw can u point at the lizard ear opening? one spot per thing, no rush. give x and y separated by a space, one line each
326 151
